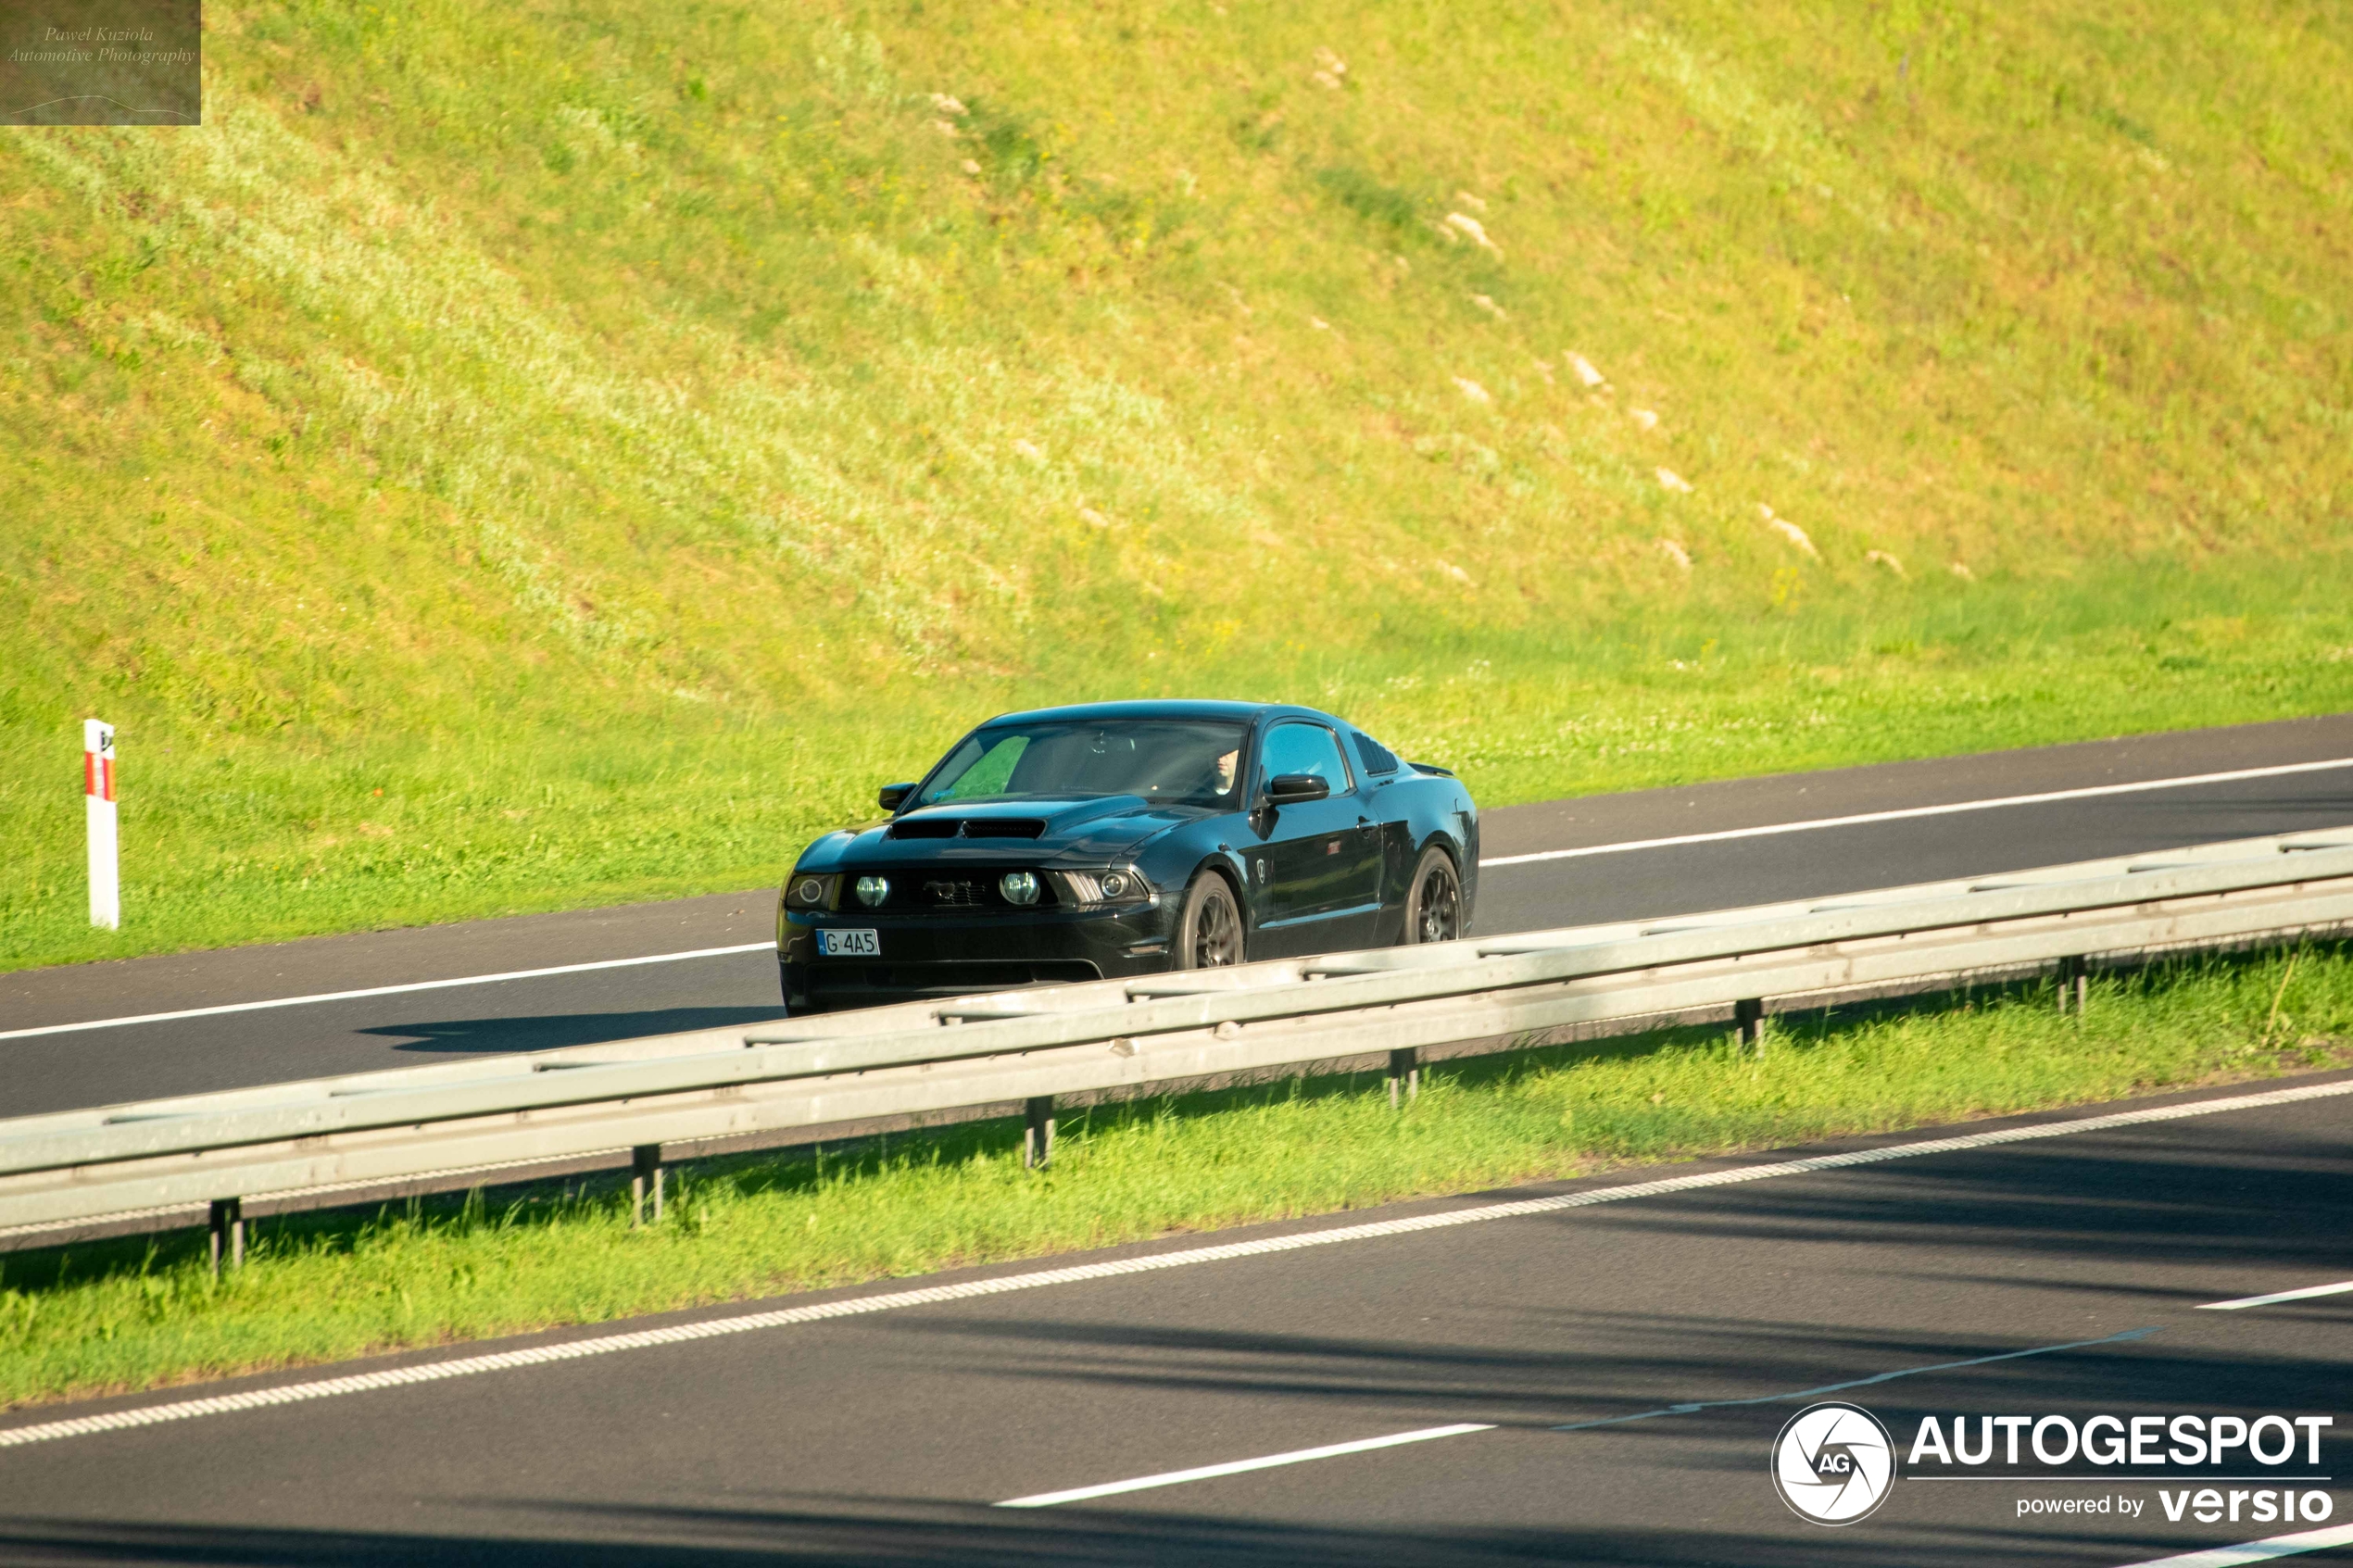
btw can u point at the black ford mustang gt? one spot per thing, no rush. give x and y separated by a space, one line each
1126 838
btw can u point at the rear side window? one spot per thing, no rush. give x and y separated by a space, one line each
1378 758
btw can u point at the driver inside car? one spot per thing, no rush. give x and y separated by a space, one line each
1224 767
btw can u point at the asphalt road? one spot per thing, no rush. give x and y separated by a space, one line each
51 1072
2079 1262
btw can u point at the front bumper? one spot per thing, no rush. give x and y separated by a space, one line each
925 956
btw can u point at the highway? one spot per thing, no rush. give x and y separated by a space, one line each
1608 866
1596 1383
1589 1371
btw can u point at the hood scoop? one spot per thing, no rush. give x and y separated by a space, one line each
967 827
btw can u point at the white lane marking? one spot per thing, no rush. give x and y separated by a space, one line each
2254 1551
1236 1467
2304 1295
385 990
857 1306
1909 812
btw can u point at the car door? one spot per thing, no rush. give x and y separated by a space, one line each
1316 873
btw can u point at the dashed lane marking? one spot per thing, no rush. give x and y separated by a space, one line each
2256 1552
1241 1466
2339 1288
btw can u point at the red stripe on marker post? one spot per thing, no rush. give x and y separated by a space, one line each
97 792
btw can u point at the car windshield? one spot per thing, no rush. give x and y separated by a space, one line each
1184 760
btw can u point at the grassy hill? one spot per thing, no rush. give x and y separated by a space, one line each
513 455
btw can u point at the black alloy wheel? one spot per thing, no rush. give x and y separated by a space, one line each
1209 928
1434 907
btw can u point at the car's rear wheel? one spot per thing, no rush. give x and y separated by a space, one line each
1434 900
1209 927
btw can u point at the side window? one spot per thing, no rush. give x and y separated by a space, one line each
1376 757
1305 748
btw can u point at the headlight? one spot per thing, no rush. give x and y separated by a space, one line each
873 890
1019 887
809 890
1122 885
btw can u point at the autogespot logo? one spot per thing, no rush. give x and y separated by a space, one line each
1833 1464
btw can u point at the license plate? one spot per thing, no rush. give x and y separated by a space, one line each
848 944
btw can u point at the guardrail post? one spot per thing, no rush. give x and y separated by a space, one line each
2074 984
645 1169
1748 1016
1038 1133
229 1228
1404 1067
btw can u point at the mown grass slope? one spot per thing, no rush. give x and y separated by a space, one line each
533 454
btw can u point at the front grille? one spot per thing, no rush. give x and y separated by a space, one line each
916 890
955 894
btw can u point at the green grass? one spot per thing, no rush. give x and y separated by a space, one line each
230 841
623 437
137 1313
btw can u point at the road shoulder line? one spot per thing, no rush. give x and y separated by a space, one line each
1907 813
382 990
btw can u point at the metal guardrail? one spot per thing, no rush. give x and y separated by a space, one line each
167 1164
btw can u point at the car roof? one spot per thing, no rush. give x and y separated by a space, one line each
1157 707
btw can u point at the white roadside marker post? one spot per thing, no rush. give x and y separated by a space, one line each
97 793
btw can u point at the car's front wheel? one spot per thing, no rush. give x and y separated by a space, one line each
1434 900
1209 927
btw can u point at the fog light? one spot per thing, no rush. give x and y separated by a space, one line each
873 890
1019 887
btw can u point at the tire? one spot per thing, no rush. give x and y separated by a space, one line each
1209 927
1433 901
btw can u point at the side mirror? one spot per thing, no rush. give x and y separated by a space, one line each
895 796
1291 789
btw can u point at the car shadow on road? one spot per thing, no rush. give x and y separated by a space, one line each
554 1031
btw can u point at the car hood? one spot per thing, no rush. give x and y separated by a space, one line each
1091 831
